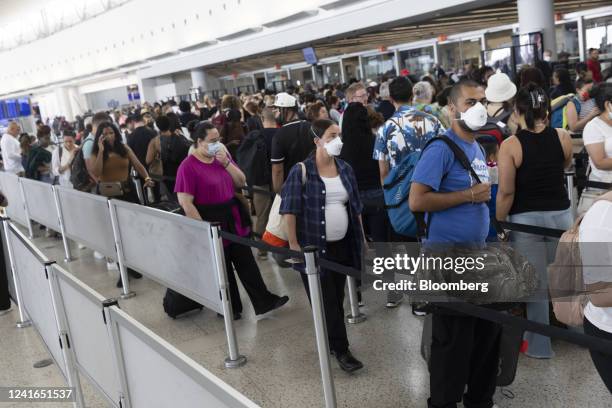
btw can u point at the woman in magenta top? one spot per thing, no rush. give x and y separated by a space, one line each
205 185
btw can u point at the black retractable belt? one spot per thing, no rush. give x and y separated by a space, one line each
260 245
593 343
532 229
339 268
595 184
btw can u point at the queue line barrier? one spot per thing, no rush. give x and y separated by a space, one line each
312 267
90 336
591 342
130 234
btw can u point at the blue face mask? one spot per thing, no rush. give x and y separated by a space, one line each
213 148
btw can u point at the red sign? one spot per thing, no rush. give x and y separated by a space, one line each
382 48
442 37
277 66
234 75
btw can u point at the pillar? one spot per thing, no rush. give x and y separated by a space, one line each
146 90
539 16
63 102
198 78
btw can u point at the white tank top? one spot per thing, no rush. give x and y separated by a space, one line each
336 212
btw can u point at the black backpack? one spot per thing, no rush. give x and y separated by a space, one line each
79 176
254 159
174 149
496 126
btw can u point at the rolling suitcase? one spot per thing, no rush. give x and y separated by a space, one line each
176 304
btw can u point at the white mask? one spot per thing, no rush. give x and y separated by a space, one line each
475 117
213 148
547 58
334 147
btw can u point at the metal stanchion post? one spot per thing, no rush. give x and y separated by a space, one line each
571 193
234 360
23 321
122 268
356 316
60 215
62 326
318 315
138 185
117 351
27 212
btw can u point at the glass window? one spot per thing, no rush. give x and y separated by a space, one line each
378 65
498 39
331 73
301 76
567 39
598 35
351 68
454 56
418 61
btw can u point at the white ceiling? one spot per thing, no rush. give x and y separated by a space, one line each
24 21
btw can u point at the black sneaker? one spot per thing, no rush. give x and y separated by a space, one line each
280 301
347 362
133 274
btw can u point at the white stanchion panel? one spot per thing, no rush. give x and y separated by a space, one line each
41 203
87 220
172 249
36 293
89 337
160 376
9 185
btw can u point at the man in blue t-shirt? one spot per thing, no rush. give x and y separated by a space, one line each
464 349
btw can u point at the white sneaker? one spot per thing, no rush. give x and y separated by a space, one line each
80 246
112 266
98 255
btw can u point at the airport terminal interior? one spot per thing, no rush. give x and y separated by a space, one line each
193 194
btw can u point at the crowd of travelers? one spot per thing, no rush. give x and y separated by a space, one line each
327 153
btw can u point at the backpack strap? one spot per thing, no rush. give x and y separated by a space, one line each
400 127
501 109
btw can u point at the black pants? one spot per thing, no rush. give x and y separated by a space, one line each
464 351
332 287
5 301
376 224
240 258
169 184
602 362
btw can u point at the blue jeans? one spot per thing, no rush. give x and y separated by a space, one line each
540 252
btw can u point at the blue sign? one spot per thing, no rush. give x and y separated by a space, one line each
12 109
309 55
24 107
